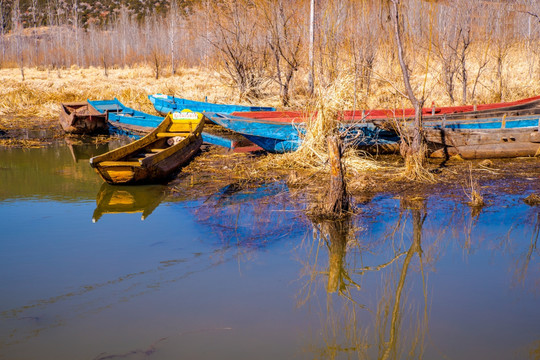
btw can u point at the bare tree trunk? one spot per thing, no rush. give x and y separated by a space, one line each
337 200
311 76
17 27
76 28
34 23
414 149
2 22
173 18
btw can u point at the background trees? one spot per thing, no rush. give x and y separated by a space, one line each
261 47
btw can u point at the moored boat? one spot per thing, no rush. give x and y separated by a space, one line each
166 103
386 117
155 157
486 138
82 118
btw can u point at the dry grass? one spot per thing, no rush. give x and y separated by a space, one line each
532 200
312 155
472 191
43 90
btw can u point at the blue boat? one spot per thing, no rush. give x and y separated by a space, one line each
133 122
284 136
166 103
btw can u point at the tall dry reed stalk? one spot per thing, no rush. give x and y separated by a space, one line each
472 191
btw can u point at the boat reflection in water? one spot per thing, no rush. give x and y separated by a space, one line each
83 151
128 199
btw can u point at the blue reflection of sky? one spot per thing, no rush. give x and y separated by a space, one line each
243 275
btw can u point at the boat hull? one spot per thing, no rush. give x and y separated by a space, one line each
82 118
280 137
504 138
155 157
132 174
166 103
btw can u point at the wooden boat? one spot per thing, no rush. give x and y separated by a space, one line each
128 199
82 118
279 136
486 138
155 157
166 103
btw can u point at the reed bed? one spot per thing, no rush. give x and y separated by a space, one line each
312 155
44 89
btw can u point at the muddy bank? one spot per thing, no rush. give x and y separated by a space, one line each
16 131
217 167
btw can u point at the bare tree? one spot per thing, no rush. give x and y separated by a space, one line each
311 76
284 41
2 26
413 150
17 30
243 51
173 19
502 37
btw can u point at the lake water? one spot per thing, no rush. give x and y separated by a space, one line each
244 274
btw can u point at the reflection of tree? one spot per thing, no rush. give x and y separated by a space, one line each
249 215
524 259
418 218
346 329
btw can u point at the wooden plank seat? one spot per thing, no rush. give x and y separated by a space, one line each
119 163
171 134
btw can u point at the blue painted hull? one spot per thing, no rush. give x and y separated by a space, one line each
166 103
281 137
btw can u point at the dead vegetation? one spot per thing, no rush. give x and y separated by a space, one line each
532 200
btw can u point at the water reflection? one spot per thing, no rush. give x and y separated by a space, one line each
83 150
128 199
377 302
404 278
250 215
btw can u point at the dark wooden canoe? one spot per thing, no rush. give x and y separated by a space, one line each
152 159
82 118
506 137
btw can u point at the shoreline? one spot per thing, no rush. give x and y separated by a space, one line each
215 167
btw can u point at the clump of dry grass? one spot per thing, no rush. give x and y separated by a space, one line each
415 166
313 152
23 143
532 200
472 191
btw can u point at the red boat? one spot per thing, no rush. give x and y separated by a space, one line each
519 107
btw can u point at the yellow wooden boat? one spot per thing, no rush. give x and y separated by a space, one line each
155 157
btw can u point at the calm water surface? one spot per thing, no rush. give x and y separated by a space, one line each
246 275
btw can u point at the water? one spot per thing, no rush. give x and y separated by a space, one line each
244 274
